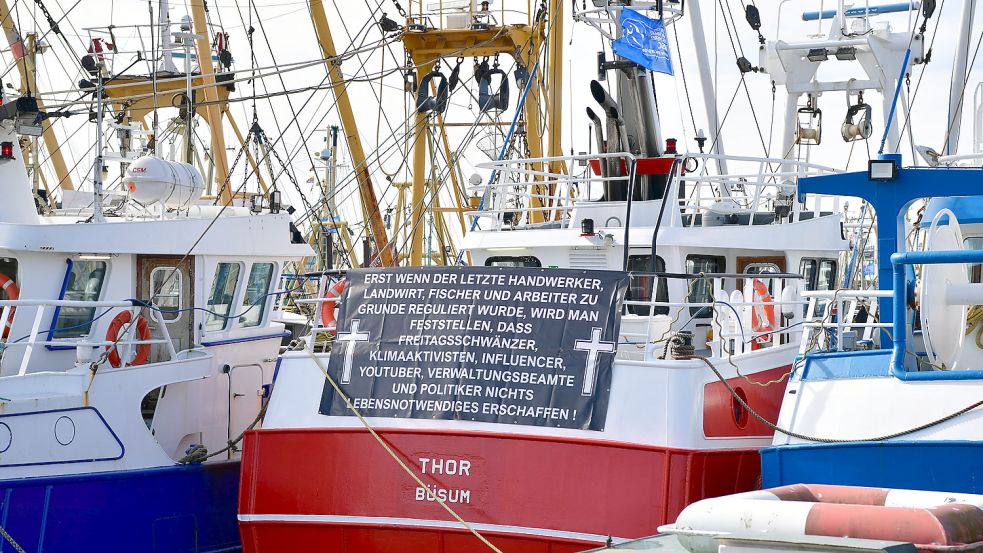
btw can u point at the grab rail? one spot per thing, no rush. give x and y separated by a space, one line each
42 306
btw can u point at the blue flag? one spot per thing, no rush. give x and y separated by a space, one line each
644 41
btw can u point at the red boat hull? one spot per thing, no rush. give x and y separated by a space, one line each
337 490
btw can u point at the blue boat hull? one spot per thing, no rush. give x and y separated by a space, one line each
186 508
950 466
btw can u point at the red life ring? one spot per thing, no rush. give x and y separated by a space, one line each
763 313
10 288
143 334
334 293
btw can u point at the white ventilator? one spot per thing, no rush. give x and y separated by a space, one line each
151 179
945 295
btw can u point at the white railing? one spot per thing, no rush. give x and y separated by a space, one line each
525 190
830 319
531 191
604 19
731 314
750 184
99 323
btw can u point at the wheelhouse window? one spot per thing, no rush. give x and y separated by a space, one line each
641 286
254 301
83 282
701 289
222 296
818 274
167 284
826 279
808 268
513 261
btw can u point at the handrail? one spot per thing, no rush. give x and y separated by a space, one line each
900 306
42 306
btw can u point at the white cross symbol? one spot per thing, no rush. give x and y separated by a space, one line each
350 338
592 347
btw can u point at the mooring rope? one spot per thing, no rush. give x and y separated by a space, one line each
808 438
385 445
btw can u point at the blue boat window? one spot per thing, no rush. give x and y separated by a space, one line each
254 301
701 289
222 296
83 283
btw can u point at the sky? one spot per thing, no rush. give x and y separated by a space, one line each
297 122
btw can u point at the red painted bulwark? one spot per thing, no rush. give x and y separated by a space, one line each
570 485
723 416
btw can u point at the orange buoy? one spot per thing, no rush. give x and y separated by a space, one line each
763 312
143 334
9 288
332 297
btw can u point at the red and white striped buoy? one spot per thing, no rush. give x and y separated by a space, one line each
932 521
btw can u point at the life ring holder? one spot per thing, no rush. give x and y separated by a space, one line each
762 312
122 319
332 296
10 288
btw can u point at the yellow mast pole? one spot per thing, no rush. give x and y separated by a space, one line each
554 115
370 203
421 139
213 112
534 130
25 62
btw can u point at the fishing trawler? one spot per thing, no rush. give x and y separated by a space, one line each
137 342
354 455
910 475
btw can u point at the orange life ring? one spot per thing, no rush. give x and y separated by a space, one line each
10 288
763 312
334 293
143 334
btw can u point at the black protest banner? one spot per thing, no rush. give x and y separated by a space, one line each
488 344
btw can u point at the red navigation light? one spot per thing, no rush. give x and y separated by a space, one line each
671 147
7 150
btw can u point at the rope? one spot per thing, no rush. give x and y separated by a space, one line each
974 323
809 438
11 541
385 445
199 453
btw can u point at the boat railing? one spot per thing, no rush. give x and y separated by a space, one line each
532 191
88 348
468 14
604 18
136 48
841 320
733 185
737 314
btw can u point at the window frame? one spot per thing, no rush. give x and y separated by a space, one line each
164 313
505 258
267 297
661 287
813 279
835 272
56 314
702 312
233 301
